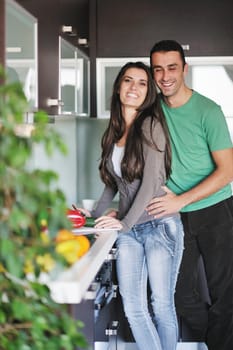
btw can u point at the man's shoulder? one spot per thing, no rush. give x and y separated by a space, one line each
204 100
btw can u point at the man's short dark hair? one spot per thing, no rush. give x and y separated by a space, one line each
168 45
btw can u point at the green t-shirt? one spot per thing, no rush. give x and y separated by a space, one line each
196 129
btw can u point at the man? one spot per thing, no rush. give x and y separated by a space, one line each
199 187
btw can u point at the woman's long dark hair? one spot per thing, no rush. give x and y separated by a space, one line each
133 162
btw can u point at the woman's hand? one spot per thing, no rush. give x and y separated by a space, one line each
108 222
84 211
112 212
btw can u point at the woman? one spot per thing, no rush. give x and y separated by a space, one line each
135 162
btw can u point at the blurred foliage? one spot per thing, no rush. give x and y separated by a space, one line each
32 210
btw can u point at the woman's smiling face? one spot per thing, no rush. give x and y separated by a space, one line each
133 87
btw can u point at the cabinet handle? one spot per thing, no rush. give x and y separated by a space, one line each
53 102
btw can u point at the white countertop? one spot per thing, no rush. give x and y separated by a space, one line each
73 284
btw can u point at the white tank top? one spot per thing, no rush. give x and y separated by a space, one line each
117 155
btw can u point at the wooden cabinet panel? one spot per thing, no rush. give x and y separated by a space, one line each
131 27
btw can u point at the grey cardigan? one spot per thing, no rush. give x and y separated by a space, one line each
135 196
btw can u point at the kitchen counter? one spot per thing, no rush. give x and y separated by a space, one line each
73 285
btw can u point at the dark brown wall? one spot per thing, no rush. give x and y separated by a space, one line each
131 27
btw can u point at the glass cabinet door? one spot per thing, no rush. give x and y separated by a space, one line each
74 80
21 50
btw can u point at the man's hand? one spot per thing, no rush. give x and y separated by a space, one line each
167 205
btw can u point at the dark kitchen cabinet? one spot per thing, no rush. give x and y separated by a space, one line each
63 12
130 28
110 323
102 311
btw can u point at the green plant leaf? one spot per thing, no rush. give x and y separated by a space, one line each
29 198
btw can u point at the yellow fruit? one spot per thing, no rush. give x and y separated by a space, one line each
64 235
69 249
70 246
84 243
73 247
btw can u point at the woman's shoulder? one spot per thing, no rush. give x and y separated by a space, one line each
151 124
154 133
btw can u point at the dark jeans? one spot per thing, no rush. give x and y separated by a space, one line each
208 233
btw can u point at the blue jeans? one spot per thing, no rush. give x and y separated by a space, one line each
151 251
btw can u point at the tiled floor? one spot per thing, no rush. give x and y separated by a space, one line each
132 346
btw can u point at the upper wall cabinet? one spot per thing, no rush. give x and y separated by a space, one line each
206 26
73 80
21 50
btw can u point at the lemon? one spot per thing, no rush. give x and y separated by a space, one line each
70 246
69 249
